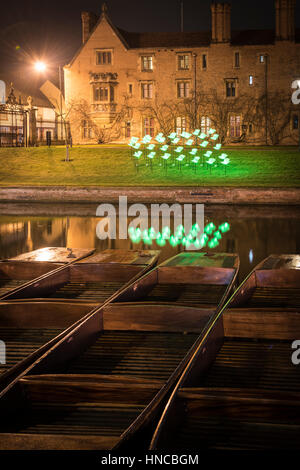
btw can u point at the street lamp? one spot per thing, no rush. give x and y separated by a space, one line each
40 66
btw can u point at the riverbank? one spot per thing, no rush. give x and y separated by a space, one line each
212 195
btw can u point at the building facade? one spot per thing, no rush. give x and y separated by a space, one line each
122 84
26 120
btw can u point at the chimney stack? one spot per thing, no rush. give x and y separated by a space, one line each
285 20
221 22
89 20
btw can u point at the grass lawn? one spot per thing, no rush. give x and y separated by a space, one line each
113 166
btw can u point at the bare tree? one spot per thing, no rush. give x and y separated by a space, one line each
163 112
194 108
275 111
82 113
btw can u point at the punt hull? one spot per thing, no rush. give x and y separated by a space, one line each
133 345
240 391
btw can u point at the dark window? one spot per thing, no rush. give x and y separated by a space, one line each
295 121
147 90
112 94
230 89
104 93
148 126
128 129
250 128
130 88
103 58
101 93
235 126
183 89
204 61
237 59
86 130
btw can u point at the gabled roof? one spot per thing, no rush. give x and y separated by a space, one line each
23 89
132 40
103 15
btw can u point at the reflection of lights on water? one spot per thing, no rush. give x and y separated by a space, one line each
180 237
251 256
12 227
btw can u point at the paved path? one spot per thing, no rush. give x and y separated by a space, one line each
213 195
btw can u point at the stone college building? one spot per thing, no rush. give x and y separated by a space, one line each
122 84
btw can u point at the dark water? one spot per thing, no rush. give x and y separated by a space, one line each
256 231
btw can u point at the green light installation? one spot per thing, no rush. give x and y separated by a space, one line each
176 149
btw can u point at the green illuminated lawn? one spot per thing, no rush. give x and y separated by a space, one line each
112 166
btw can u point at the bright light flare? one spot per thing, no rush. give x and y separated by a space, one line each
40 66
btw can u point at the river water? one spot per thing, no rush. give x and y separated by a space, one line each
256 231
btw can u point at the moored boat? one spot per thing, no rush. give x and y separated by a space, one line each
20 270
240 390
104 383
28 327
93 279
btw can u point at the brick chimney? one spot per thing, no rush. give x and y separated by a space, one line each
221 22
89 20
285 20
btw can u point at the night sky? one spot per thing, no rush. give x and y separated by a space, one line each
52 29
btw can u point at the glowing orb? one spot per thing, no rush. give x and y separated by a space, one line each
40 66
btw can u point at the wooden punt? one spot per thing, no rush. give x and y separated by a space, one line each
20 270
104 383
241 390
33 326
29 327
93 279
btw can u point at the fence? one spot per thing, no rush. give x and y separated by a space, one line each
13 126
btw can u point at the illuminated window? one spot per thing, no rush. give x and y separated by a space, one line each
204 61
103 57
237 59
205 124
147 62
183 62
295 121
235 126
261 58
251 80
183 89
148 126
147 90
230 88
180 124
